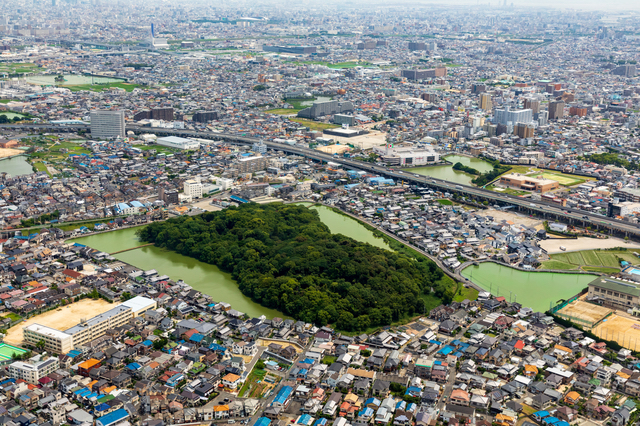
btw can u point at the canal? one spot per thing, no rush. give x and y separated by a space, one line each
342 224
536 290
16 166
446 172
202 276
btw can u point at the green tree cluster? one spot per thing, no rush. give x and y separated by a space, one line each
611 159
285 258
461 167
491 175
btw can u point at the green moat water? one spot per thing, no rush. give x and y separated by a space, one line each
206 278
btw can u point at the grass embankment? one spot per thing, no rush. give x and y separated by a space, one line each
603 261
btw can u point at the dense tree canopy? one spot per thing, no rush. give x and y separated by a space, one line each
285 258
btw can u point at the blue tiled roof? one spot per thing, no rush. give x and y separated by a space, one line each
112 418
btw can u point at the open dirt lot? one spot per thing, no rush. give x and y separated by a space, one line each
61 318
368 141
8 152
584 243
204 205
623 330
499 216
584 311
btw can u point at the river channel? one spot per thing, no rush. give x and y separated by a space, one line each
205 277
536 290
16 166
446 172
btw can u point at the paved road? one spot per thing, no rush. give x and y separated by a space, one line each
453 274
267 402
580 216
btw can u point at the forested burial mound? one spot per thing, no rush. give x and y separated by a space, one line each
285 258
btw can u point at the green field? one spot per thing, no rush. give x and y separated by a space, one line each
158 148
591 258
314 125
604 261
12 316
100 87
54 150
337 65
41 167
18 68
445 202
602 270
558 265
282 111
610 259
465 293
564 180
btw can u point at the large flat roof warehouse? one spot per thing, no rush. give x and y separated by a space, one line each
177 142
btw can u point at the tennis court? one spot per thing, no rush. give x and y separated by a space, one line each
584 313
7 351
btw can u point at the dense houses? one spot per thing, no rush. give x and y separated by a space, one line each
181 356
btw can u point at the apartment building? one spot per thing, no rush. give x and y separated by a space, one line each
193 188
34 369
107 124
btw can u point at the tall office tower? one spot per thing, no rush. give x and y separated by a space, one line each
532 104
556 110
485 101
107 124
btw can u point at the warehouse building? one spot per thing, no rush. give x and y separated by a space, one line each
178 143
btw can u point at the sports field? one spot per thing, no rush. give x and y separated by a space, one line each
584 313
605 261
562 179
7 351
621 329
62 318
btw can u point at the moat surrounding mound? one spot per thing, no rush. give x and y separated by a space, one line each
285 258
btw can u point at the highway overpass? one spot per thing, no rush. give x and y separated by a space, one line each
546 210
